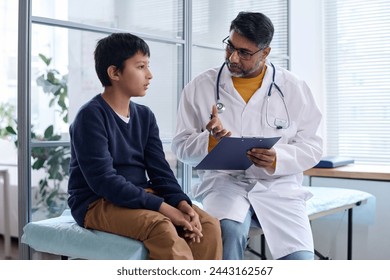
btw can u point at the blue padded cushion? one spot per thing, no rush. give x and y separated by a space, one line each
62 236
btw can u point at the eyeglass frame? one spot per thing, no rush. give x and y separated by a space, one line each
240 52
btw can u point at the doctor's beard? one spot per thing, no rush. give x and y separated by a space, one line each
237 71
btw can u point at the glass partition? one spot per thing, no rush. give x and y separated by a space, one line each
162 18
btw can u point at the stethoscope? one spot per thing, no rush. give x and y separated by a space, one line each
278 123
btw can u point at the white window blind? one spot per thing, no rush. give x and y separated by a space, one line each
357 79
211 20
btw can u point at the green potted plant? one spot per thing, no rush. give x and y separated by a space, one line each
6 118
54 161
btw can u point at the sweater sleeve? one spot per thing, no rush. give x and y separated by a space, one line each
162 180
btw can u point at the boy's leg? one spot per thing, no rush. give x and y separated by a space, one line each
210 247
155 230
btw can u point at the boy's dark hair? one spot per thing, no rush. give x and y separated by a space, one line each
256 27
115 50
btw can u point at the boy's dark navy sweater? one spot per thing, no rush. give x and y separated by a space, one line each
109 158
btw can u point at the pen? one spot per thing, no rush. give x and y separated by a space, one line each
211 131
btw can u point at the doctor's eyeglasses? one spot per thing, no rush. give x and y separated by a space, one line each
242 53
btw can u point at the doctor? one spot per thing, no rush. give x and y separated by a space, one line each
256 99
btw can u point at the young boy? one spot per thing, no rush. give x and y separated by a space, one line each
119 179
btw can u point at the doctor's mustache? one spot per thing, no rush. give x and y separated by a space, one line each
233 65
237 70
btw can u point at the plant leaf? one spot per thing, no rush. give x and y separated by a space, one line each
10 130
49 131
38 164
45 59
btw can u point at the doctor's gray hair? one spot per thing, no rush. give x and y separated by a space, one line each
256 27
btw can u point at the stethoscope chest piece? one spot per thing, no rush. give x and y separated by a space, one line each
220 107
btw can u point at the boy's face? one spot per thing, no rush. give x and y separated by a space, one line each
135 78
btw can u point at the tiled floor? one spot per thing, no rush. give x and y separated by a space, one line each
14 249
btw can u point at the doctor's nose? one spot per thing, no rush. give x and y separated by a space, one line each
234 58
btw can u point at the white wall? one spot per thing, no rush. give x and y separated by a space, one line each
8 161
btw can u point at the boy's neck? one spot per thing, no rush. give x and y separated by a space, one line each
119 103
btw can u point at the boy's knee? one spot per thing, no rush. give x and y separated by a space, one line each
164 225
209 223
212 228
214 223
159 226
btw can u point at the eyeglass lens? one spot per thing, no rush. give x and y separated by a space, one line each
241 53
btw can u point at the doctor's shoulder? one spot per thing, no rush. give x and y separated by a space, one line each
290 80
200 86
287 75
208 76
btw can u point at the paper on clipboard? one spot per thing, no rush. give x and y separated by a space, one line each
230 153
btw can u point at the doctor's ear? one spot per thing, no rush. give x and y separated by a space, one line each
266 52
113 72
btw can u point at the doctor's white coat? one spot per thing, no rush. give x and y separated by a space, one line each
278 199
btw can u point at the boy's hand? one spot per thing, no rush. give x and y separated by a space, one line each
182 219
194 220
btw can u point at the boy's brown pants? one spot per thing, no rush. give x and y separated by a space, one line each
156 231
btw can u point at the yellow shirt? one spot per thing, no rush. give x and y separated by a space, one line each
246 87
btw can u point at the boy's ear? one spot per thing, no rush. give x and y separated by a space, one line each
113 73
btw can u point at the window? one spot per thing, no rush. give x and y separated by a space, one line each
8 87
357 71
163 18
63 78
210 25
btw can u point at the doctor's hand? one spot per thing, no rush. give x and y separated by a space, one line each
264 158
215 126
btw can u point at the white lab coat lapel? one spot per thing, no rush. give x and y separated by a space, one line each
243 119
252 115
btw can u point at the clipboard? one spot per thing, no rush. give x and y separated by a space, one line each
230 153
